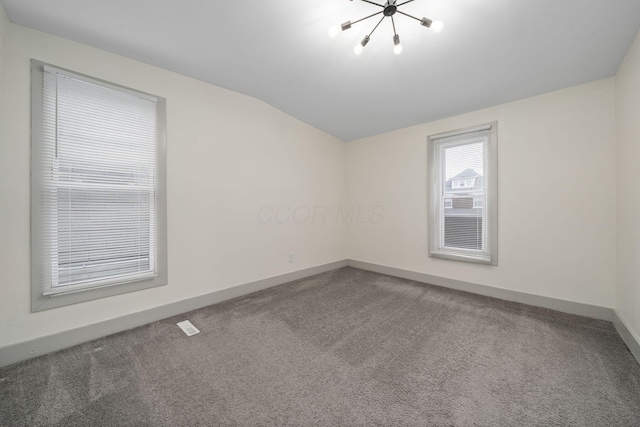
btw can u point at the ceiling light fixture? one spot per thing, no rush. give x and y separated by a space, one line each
389 8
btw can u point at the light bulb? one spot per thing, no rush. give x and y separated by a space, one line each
397 47
334 31
437 26
360 46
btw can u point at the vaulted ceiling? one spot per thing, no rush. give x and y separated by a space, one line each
490 52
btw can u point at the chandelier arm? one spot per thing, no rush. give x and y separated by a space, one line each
367 17
404 2
406 14
374 28
394 26
374 3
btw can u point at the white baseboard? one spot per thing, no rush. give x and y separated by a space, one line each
565 306
26 350
36 347
630 339
597 312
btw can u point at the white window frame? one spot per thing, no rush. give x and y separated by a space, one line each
42 297
436 194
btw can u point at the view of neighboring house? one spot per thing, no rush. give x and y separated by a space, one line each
464 195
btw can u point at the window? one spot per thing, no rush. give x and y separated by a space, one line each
463 183
98 189
463 195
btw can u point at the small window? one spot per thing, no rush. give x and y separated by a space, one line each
463 195
463 183
98 189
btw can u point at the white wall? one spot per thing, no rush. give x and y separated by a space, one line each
628 135
228 155
557 201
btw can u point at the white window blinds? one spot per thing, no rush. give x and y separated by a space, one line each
463 195
98 183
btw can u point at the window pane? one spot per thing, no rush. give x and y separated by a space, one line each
463 224
102 184
464 161
102 233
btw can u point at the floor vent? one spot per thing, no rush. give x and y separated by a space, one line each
188 328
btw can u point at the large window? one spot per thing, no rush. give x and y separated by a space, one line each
463 195
98 189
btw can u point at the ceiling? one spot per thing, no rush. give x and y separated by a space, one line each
490 52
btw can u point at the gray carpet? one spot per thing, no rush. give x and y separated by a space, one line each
344 348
